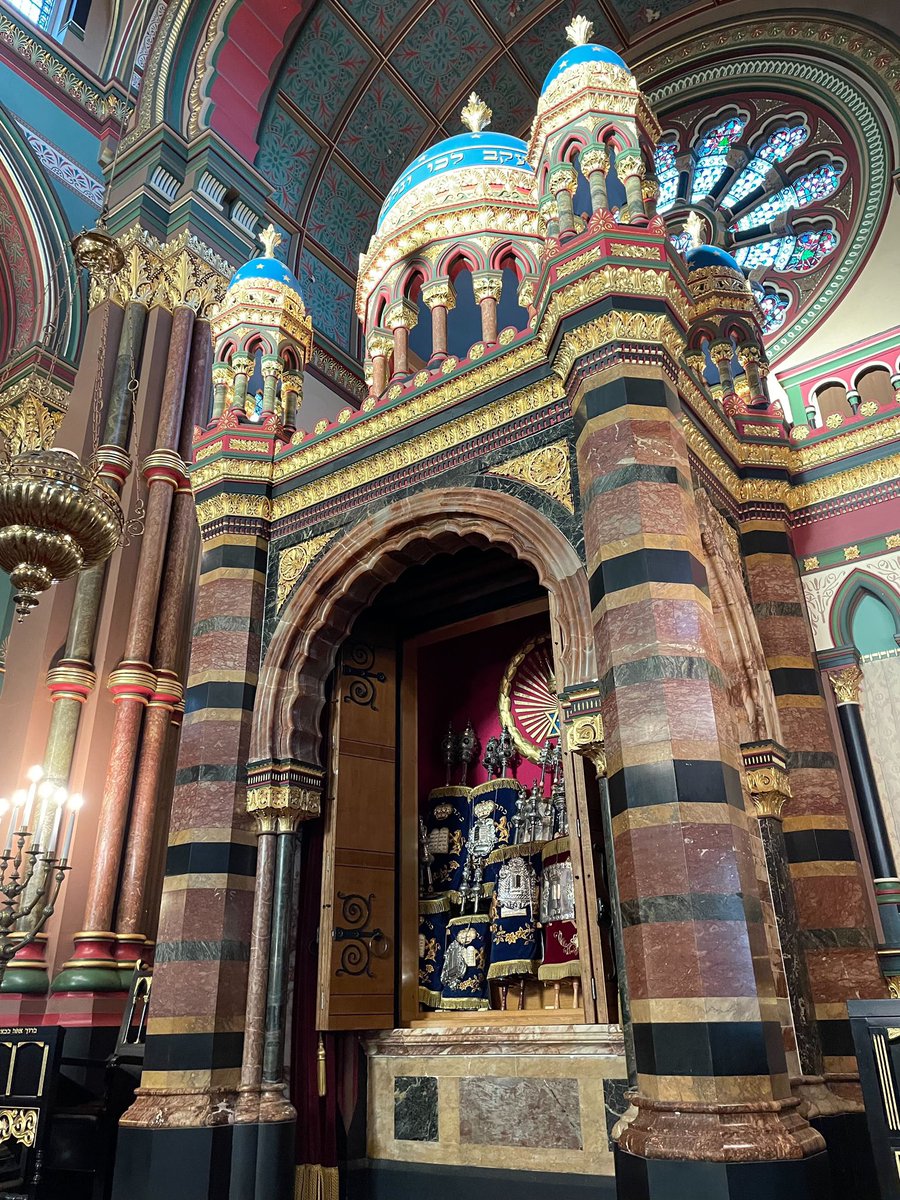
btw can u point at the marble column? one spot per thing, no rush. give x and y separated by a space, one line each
750 358
274 1104
440 296
836 932
272 371
400 318
247 1106
846 680
722 354
563 183
712 1083
380 344
292 390
548 219
631 171
133 683
594 163
242 365
223 387
158 730
488 286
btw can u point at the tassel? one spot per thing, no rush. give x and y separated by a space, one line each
316 1183
320 1067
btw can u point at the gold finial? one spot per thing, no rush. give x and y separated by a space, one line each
476 115
271 240
694 227
580 30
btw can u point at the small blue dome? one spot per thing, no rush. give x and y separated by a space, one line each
710 256
483 149
266 270
576 55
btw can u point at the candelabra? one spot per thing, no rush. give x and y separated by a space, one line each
31 871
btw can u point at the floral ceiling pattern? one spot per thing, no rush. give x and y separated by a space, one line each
367 84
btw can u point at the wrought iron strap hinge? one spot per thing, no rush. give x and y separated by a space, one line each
361 943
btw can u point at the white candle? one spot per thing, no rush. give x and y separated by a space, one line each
59 799
75 803
5 807
45 791
18 799
35 774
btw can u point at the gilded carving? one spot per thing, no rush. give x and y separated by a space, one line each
181 273
546 469
846 684
19 1125
293 562
584 735
769 789
226 505
280 806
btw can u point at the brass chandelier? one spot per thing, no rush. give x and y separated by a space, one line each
57 514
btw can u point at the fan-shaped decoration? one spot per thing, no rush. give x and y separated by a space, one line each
529 708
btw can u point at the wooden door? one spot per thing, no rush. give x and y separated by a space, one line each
357 951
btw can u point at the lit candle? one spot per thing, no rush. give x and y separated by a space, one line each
5 807
45 791
60 797
35 774
75 803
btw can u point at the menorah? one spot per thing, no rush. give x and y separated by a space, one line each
31 872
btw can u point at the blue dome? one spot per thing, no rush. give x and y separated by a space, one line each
576 55
261 270
484 149
710 256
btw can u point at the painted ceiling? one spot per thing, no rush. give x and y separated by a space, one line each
367 84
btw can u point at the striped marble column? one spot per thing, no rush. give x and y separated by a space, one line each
711 1072
835 924
195 1030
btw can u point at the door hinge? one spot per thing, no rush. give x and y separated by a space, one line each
578 827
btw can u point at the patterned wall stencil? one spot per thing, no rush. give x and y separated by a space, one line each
508 15
636 15
286 155
443 48
324 64
510 96
328 297
539 48
342 216
379 18
383 138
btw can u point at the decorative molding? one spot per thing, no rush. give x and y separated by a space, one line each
183 272
294 561
58 164
546 469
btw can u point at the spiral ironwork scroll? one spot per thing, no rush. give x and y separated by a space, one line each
358 662
360 943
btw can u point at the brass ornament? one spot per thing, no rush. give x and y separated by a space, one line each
546 469
476 115
294 561
19 1125
846 684
770 789
584 735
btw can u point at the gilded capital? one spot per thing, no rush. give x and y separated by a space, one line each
592 159
402 314
630 164
770 790
487 285
584 736
748 354
243 364
563 178
721 352
271 367
846 684
440 293
379 343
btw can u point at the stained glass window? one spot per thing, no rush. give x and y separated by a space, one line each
816 185
37 11
711 154
774 307
666 175
782 143
811 248
773 253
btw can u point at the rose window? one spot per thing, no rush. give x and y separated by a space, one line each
768 183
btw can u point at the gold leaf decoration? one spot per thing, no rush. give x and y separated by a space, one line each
546 469
293 562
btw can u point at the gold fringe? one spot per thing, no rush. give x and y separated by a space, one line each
494 785
563 970
512 966
469 1002
559 845
428 907
322 1076
452 789
313 1182
471 919
522 849
429 998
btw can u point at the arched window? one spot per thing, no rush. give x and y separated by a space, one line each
774 305
874 384
509 311
872 624
776 148
832 399
581 201
815 185
420 344
463 321
810 249
865 613
667 175
711 154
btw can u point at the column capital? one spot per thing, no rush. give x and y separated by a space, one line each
593 158
222 372
242 364
271 367
380 343
846 683
563 178
487 284
583 722
440 293
748 353
630 164
401 314
766 776
280 794
721 351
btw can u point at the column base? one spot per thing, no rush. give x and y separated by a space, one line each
227 1162
681 1179
26 973
130 949
92 967
818 1100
